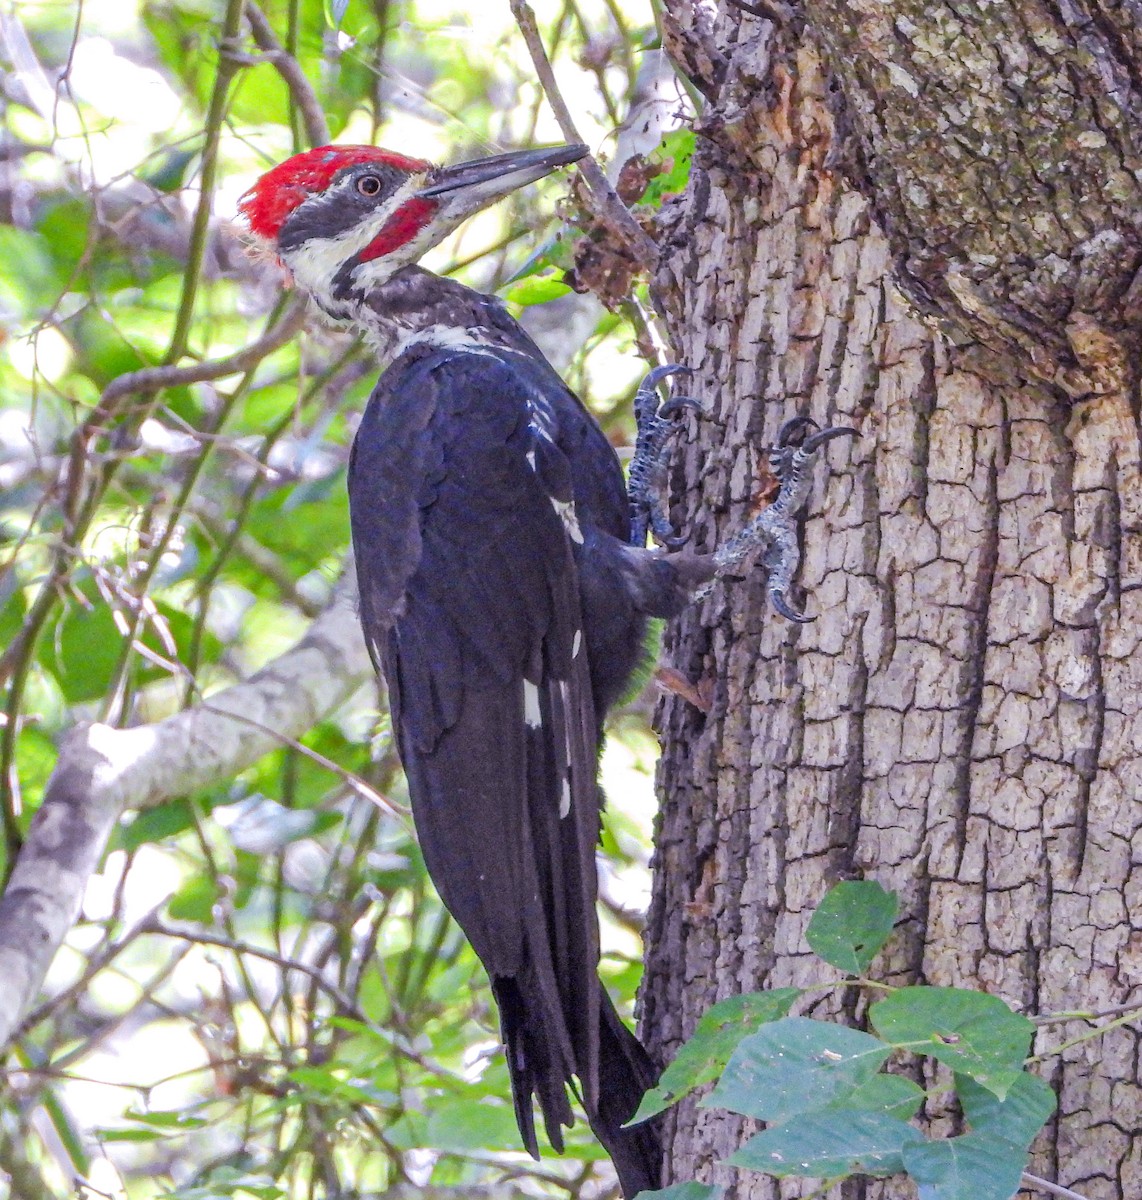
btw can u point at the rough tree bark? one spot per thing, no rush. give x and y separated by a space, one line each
923 220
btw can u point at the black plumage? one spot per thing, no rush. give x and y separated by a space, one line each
499 596
480 491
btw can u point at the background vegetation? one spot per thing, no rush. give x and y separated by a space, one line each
263 995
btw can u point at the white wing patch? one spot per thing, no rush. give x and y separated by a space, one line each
570 519
565 799
447 337
542 425
532 716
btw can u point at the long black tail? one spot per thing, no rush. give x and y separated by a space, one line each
625 1073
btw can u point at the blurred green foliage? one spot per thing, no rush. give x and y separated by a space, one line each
263 995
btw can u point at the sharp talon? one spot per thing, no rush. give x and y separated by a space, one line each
655 377
649 469
792 427
775 527
790 614
679 404
826 435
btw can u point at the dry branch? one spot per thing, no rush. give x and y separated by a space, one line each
316 128
103 772
153 379
607 206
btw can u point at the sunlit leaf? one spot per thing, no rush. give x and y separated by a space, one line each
795 1065
829 1143
703 1057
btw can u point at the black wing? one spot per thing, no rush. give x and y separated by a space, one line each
464 533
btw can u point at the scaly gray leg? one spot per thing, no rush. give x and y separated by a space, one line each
648 483
775 528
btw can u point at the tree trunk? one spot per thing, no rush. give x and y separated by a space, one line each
963 722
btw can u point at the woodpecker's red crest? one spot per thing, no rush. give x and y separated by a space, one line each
278 192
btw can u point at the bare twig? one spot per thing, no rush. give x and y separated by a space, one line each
208 172
316 128
608 208
767 10
94 965
153 379
1045 1185
199 936
1061 1018
358 786
1131 1014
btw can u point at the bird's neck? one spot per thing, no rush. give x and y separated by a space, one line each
413 305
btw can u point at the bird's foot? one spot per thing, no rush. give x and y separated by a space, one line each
775 527
648 484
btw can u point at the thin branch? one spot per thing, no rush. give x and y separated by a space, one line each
607 206
1061 1018
1132 1014
1045 1185
204 937
153 379
94 965
208 172
316 129
101 772
357 785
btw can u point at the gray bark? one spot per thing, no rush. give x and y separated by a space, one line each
963 722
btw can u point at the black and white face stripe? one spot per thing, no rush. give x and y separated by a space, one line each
343 205
323 239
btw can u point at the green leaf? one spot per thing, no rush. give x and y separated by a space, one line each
194 901
84 653
36 756
554 251
536 289
829 1144
677 149
852 924
684 1191
226 1182
157 824
977 1166
129 1135
796 1065
886 1095
1017 1118
973 1033
168 1120
462 1124
704 1056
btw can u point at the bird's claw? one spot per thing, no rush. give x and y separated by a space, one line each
648 469
781 606
776 527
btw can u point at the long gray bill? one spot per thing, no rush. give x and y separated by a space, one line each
509 171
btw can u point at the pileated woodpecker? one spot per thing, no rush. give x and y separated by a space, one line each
502 598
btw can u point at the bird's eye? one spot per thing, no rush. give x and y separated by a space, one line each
368 185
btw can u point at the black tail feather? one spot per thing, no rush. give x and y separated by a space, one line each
625 1074
533 1066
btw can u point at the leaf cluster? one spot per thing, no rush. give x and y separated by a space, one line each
839 1101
